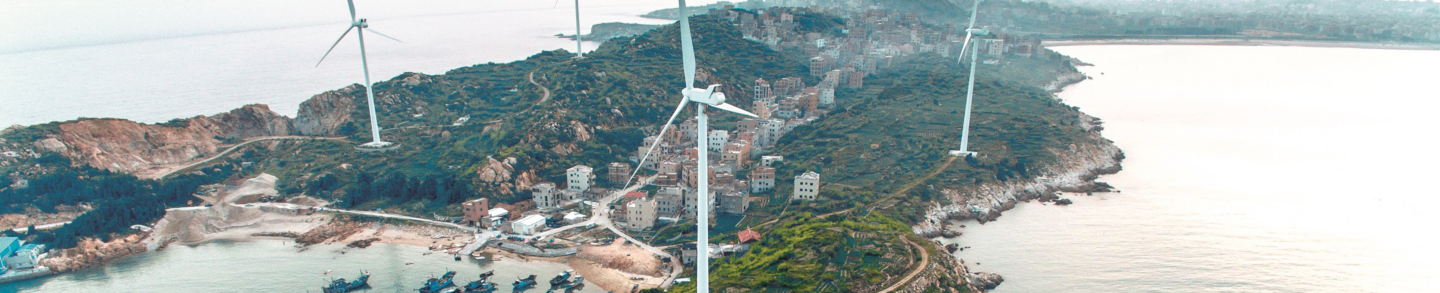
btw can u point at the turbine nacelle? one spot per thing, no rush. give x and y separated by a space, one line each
361 23
707 96
978 31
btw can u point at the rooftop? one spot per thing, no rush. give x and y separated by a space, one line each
809 175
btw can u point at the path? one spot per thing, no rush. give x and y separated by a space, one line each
402 217
544 96
40 227
924 263
237 147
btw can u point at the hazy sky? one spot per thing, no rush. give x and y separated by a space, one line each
43 24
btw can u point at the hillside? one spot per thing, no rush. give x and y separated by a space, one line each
526 121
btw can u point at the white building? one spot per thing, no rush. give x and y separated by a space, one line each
718 139
769 161
528 225
640 214
807 186
579 178
544 195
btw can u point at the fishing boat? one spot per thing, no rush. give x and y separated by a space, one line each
524 282
480 286
577 282
434 285
342 286
486 275
560 279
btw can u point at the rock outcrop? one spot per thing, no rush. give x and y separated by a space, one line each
985 280
127 146
324 114
499 177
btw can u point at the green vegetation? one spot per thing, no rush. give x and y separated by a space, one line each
809 254
120 200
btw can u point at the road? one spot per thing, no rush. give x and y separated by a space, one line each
924 263
402 217
237 147
40 227
601 217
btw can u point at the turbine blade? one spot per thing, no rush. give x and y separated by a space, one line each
734 109
660 138
964 46
352 9
974 10
332 46
557 4
686 47
383 35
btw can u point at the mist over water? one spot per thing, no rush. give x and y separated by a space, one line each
1248 169
156 60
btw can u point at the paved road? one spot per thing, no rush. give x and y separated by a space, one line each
238 146
40 227
402 217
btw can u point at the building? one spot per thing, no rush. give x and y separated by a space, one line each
691 202
688 251
618 173
668 201
718 139
26 257
748 235
497 217
734 202
807 186
8 245
579 178
528 225
769 161
762 179
476 210
640 214
544 195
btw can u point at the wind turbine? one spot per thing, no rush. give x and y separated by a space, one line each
702 98
578 49
970 31
375 142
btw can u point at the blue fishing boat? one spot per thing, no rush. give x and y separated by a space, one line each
342 286
434 285
524 283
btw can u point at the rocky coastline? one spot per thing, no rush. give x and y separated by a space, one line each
1075 171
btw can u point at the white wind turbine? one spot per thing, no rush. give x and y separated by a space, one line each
375 141
969 90
702 98
578 47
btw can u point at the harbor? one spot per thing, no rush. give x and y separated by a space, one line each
233 266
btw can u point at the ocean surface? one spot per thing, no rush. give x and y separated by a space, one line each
276 266
1248 169
156 60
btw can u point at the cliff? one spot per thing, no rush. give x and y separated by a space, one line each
127 146
324 114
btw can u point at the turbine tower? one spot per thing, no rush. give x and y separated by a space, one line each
702 98
375 142
970 32
578 48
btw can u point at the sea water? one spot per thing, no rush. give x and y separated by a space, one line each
1248 169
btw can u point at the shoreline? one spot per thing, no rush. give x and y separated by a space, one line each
1243 42
1076 172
